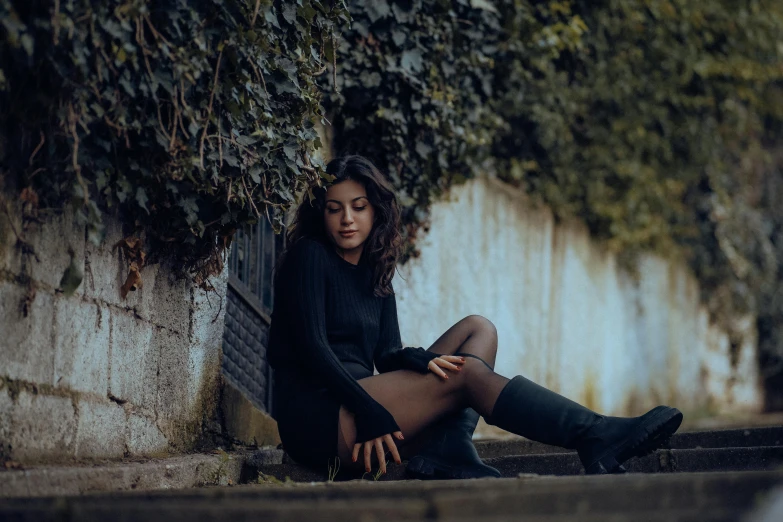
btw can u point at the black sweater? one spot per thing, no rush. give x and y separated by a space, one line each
328 326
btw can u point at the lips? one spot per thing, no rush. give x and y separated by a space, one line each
348 233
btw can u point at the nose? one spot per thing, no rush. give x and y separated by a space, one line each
348 217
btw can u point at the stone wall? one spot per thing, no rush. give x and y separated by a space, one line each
93 375
567 316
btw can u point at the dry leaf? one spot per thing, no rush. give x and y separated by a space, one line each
227 238
133 282
27 302
132 249
29 200
29 196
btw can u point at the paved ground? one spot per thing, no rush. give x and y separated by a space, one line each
714 496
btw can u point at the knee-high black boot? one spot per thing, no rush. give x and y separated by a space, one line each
450 453
602 442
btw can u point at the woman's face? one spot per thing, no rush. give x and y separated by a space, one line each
348 209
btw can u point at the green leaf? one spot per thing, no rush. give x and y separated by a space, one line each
71 278
377 9
289 13
141 198
485 5
28 44
412 60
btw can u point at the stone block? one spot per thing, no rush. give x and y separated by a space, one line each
172 392
206 338
26 348
245 422
104 268
209 311
171 302
81 346
162 299
144 437
265 457
52 241
108 269
43 428
6 408
100 430
134 361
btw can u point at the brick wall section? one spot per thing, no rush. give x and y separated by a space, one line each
93 375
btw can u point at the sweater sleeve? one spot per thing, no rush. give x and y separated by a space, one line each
306 300
389 354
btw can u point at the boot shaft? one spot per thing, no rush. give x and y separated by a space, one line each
534 412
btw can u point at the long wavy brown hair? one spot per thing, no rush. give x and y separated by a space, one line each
384 244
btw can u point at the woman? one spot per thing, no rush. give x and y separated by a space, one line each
335 317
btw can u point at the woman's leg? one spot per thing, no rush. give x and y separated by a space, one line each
418 400
446 450
518 405
475 335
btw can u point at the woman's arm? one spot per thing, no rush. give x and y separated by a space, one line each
389 354
305 299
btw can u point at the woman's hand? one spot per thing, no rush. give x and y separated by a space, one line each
450 362
378 445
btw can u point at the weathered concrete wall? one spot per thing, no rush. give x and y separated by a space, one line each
568 317
93 375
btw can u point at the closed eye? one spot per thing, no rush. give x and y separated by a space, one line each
336 210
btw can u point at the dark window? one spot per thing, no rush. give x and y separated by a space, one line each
253 255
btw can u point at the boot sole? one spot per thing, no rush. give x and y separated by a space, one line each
650 436
429 469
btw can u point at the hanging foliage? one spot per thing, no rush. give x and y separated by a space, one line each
189 119
414 93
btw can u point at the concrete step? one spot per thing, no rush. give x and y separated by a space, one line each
184 471
662 461
511 457
671 497
733 438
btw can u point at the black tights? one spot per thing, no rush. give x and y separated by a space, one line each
417 400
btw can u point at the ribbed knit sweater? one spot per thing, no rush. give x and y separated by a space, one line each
328 325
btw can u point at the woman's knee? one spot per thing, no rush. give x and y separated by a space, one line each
485 339
481 324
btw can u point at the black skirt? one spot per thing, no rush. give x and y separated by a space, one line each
307 418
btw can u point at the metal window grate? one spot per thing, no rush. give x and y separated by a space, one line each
250 300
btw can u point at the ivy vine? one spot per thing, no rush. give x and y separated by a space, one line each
188 119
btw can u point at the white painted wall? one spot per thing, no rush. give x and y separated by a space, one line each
567 316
